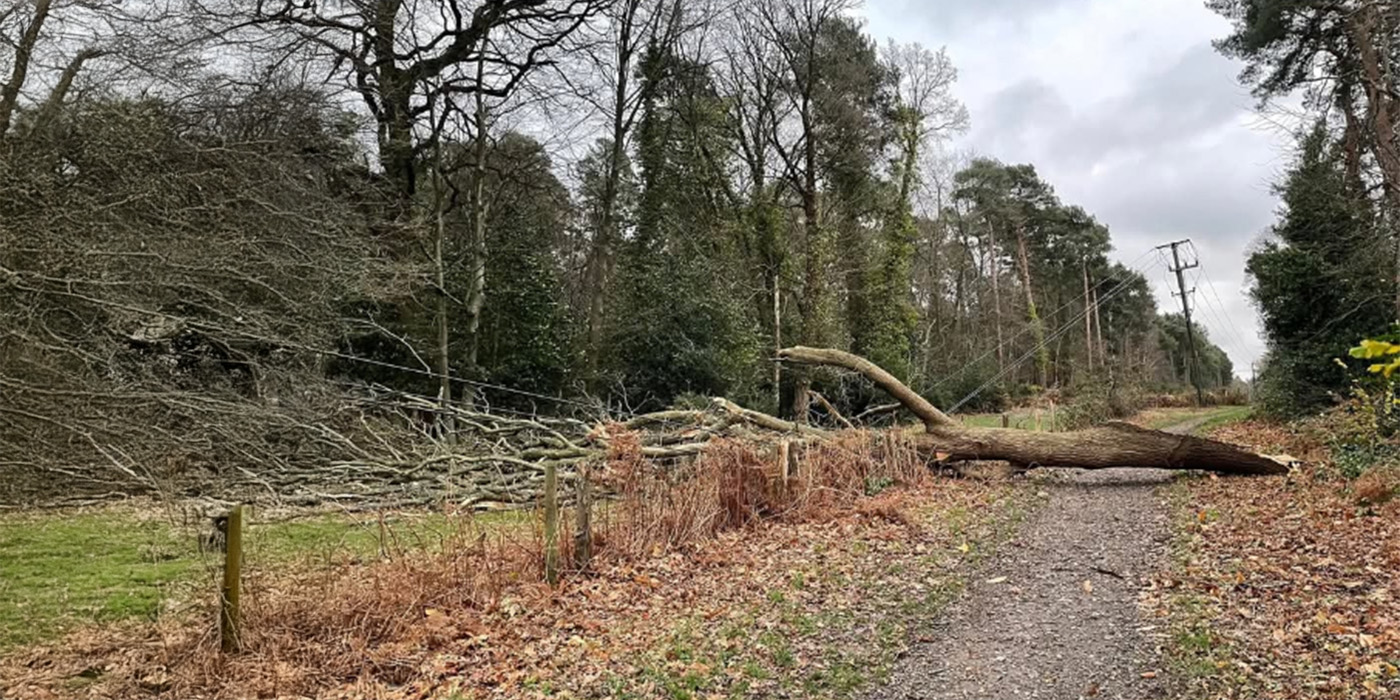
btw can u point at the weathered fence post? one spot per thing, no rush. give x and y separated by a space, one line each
784 462
1006 420
230 636
583 520
551 523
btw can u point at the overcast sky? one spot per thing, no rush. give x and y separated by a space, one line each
1124 107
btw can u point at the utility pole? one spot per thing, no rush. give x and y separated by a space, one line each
1193 370
1088 318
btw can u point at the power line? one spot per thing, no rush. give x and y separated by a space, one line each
1016 364
1244 346
1216 309
1131 267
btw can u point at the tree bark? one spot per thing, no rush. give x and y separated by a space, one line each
1109 445
1042 355
24 52
476 295
54 103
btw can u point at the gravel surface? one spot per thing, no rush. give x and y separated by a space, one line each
1054 613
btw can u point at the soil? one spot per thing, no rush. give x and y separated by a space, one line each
1055 613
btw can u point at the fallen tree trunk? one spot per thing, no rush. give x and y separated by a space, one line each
1110 445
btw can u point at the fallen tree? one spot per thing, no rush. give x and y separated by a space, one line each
1113 444
396 456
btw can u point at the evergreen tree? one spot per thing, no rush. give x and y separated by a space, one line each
526 330
1319 281
681 325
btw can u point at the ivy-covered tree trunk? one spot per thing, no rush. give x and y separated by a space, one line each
1042 353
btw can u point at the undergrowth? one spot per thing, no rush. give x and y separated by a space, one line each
387 617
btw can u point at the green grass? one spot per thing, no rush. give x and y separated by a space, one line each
56 572
1225 415
62 570
1215 417
1022 419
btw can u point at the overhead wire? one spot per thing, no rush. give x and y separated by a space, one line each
1216 311
1016 364
1131 266
1210 284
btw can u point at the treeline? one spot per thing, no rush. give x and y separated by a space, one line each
1328 272
538 206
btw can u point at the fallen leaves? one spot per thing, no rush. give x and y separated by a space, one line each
803 609
1285 586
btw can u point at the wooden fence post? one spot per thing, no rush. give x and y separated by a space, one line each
230 636
1006 420
551 523
583 520
784 462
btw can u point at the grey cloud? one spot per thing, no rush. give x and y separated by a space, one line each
960 14
1145 128
1191 193
1020 117
1194 94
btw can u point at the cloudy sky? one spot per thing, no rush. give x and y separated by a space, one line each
1126 109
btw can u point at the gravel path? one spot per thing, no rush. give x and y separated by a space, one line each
1054 613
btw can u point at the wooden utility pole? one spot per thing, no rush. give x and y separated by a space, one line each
1088 318
1193 371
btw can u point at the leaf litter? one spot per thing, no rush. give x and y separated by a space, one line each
779 609
1285 587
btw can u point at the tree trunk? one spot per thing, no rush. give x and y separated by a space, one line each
1088 319
476 294
600 262
1110 445
54 103
24 51
812 286
996 296
1383 109
444 346
1042 354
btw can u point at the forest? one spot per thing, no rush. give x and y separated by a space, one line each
225 228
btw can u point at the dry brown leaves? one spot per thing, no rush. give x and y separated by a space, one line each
742 611
1287 587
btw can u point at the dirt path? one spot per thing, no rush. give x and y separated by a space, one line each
1054 614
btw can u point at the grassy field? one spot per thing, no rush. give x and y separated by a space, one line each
1213 417
62 570
1022 419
